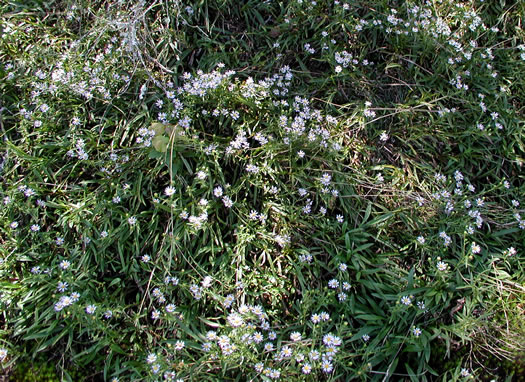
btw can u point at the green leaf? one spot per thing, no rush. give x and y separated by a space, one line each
412 375
117 349
160 143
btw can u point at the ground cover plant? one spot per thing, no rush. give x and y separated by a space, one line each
262 190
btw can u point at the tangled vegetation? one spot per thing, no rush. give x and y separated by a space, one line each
262 190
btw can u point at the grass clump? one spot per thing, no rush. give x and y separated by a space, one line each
299 191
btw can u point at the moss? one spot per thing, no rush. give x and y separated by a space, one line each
41 370
38 370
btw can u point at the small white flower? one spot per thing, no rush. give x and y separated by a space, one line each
326 179
252 168
62 286
228 301
286 352
90 309
475 248
235 320
211 335
168 191
257 337
416 332
464 372
326 366
206 282
228 203
155 368
151 358
217 191
253 215
306 369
